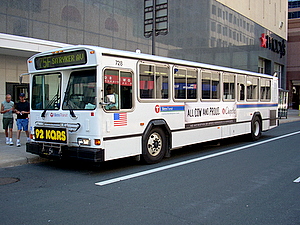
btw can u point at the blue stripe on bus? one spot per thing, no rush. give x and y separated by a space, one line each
258 105
169 108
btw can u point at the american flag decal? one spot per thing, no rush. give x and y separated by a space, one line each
120 119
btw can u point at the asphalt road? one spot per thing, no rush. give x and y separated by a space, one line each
237 182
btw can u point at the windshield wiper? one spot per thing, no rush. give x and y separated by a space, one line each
69 106
52 101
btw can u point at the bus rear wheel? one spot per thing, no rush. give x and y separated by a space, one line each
255 128
154 146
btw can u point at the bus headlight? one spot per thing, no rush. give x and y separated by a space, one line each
83 141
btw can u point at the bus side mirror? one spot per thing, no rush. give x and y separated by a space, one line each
21 77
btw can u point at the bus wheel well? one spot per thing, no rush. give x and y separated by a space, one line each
257 114
256 126
162 124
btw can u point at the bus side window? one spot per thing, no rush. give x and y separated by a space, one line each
154 81
210 85
111 89
228 86
185 83
241 87
252 88
126 90
146 81
117 89
265 89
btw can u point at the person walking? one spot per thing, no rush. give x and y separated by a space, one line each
22 110
7 108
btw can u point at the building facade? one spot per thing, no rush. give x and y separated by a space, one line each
293 65
248 34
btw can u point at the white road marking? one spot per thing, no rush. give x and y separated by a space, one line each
297 180
142 173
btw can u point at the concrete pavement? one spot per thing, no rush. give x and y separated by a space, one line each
15 156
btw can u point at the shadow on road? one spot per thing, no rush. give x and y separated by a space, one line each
184 153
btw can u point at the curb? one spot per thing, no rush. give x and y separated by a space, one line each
23 161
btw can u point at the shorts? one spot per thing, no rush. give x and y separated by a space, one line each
22 123
8 123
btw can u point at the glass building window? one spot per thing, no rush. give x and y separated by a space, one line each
219 12
219 28
230 17
214 10
225 31
294 4
261 65
278 69
213 26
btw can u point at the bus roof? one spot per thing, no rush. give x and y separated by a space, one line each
148 57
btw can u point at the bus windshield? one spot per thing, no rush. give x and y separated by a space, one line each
81 90
46 91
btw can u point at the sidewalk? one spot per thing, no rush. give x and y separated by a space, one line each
15 156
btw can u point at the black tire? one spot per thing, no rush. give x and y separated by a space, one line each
154 146
256 128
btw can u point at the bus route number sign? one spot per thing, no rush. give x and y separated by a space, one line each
46 134
61 60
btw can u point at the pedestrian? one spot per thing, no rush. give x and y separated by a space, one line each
7 108
22 110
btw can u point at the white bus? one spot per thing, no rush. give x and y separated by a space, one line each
100 104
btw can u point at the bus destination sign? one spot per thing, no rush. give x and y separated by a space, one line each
61 60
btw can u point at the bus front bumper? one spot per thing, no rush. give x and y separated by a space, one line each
90 154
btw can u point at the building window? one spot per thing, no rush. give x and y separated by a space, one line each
278 69
213 42
71 13
213 26
261 65
214 10
225 31
219 28
230 18
219 12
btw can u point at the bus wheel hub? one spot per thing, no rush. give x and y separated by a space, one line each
154 144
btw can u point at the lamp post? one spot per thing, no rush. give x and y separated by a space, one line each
155 19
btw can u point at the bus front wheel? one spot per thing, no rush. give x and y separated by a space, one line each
154 146
255 128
